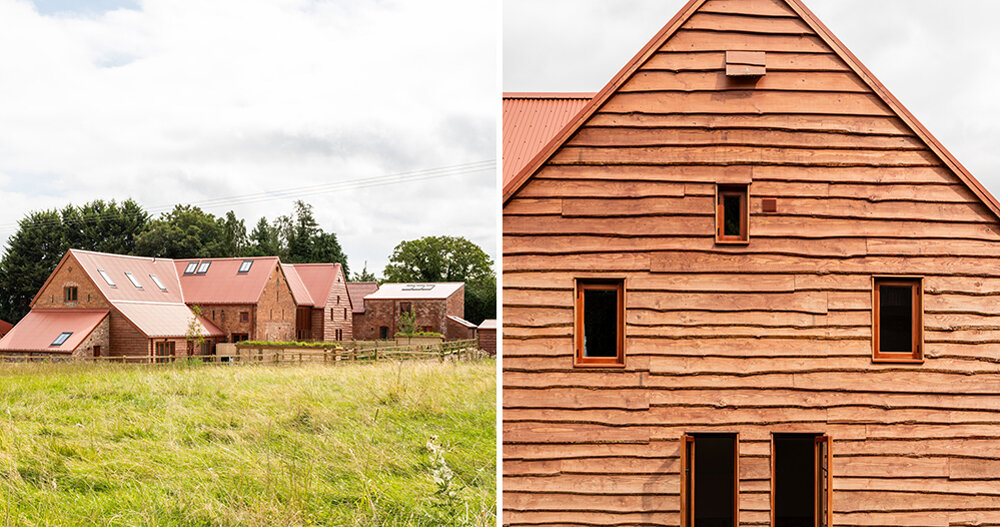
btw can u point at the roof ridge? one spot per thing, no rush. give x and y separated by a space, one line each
132 256
549 95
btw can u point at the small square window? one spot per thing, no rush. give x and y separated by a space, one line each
405 307
157 281
190 268
132 278
107 278
600 323
898 331
203 267
732 215
61 339
244 316
70 294
245 266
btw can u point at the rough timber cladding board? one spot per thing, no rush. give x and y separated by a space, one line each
772 337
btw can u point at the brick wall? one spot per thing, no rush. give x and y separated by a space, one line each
456 331
430 314
70 274
126 339
336 314
456 303
275 310
101 336
229 319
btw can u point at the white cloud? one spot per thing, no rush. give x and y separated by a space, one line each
937 58
186 100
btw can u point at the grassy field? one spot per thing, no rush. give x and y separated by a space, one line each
381 445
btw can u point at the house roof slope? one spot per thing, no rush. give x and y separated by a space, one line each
299 291
40 328
461 321
415 291
489 323
165 320
530 120
357 291
318 279
141 267
878 90
223 283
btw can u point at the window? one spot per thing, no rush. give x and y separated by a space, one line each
405 307
106 277
383 332
245 266
331 314
345 313
801 479
191 268
244 316
203 267
732 215
600 323
69 294
62 338
709 480
240 337
898 320
131 278
157 281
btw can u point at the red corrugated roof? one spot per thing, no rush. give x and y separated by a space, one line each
357 291
40 328
319 279
299 291
530 121
165 320
116 266
223 284
5 327
416 291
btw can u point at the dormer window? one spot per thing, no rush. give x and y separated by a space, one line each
203 267
190 268
61 339
107 278
132 278
157 281
245 266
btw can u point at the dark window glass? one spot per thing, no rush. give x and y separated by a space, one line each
714 481
600 323
895 318
732 216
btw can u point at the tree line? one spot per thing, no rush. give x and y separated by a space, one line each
43 237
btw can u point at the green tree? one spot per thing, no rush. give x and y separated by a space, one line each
264 240
185 232
448 259
365 275
234 235
32 254
104 226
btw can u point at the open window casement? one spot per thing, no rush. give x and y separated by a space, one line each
824 482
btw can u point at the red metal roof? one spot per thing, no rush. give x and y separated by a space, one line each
299 291
530 121
116 265
462 321
416 291
5 327
165 320
40 328
318 279
357 291
223 283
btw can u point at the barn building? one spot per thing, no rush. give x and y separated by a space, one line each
438 306
744 286
357 291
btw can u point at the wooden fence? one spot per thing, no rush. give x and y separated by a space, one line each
460 350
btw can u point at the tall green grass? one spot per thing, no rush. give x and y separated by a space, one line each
126 445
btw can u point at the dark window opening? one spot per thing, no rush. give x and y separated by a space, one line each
898 324
240 337
244 316
600 311
405 307
710 481
732 214
70 294
801 480
383 332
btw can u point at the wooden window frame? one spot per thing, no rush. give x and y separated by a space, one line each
820 458
916 356
743 191
71 293
687 487
605 284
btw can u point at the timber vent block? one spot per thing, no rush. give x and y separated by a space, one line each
744 64
769 205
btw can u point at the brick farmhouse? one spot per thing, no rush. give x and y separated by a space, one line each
439 307
98 304
358 291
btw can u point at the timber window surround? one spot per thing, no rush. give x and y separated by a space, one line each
600 323
801 481
70 293
897 319
710 480
732 214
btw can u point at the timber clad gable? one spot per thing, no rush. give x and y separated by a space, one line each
772 340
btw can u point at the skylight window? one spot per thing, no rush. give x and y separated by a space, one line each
106 277
191 267
245 266
132 278
62 338
203 268
158 283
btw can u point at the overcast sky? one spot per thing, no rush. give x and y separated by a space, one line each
185 101
940 59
